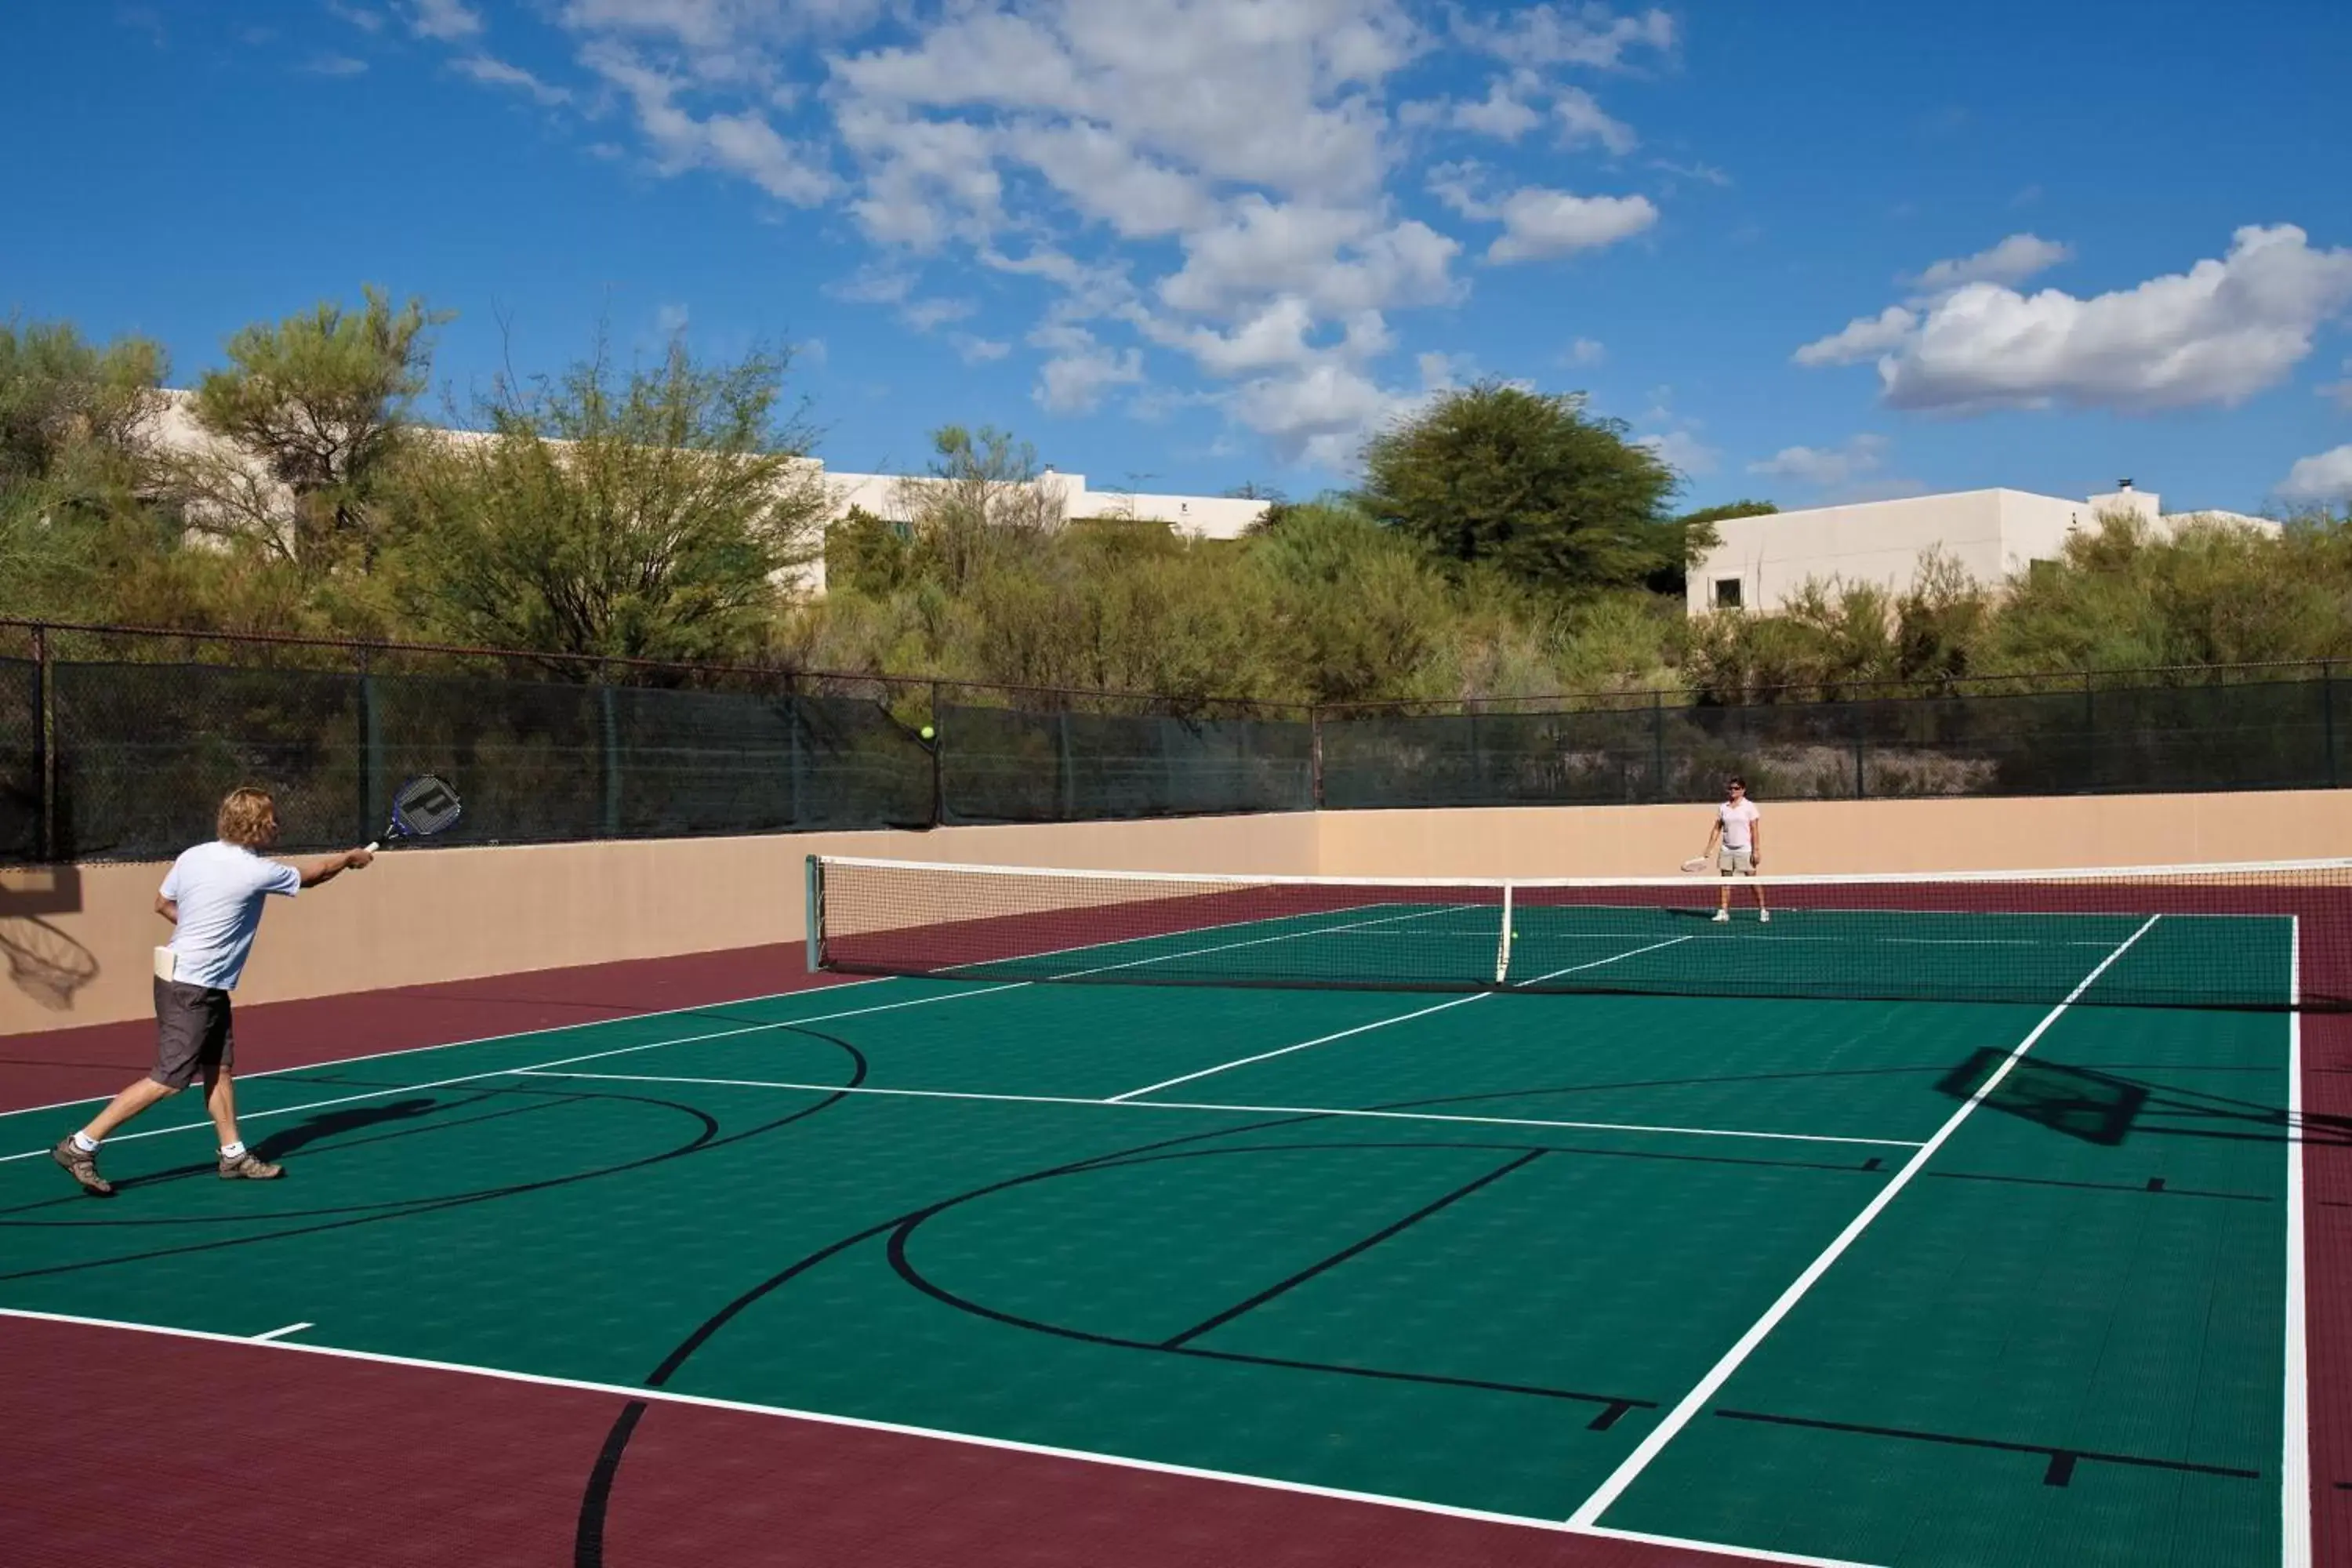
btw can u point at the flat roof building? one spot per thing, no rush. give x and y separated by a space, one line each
1762 562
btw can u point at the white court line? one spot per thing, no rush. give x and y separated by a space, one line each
864 1424
1196 931
479 1039
1610 1490
1243 1109
1286 1050
1612 958
560 1061
1467 934
1376 1024
1198 951
281 1333
2295 1465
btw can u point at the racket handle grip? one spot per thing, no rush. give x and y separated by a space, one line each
373 846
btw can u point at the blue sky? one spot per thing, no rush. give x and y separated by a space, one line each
1815 251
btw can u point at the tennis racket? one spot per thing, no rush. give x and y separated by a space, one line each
1696 863
421 807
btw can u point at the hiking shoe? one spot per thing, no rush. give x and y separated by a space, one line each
82 1167
1722 917
249 1167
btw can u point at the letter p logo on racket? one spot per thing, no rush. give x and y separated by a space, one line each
423 806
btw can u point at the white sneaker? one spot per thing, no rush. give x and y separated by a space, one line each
1723 917
1764 915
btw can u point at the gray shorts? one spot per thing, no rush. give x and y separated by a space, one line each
1742 861
191 1032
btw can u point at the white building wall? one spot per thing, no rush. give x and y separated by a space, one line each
1993 534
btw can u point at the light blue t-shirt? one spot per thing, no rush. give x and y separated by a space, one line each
219 887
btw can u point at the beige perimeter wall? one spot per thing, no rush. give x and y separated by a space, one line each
77 939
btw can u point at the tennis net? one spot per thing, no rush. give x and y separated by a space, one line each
2274 936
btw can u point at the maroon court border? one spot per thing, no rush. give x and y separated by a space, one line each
133 1449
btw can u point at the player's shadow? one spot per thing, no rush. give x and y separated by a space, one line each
285 1140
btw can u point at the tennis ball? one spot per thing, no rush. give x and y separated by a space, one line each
928 732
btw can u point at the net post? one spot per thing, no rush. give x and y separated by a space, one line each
814 933
1503 943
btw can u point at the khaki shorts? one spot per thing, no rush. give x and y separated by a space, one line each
1742 861
191 1032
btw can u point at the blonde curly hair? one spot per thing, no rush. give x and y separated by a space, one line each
248 816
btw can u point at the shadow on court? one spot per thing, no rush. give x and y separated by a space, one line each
2107 1107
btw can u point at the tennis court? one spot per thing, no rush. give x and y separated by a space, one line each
1916 1226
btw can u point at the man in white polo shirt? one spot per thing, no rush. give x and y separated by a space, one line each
1735 844
213 897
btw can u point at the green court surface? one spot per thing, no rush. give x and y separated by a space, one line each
1776 1274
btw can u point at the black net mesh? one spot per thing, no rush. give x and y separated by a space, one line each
146 750
20 759
999 765
142 749
2242 736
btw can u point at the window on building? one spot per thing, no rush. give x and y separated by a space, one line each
1727 593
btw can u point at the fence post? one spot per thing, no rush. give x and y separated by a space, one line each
1315 755
2090 784
375 803
44 742
939 751
796 755
608 724
1657 746
2327 716
1860 742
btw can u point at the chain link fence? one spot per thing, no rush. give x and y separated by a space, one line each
116 744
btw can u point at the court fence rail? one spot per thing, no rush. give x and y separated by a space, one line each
116 741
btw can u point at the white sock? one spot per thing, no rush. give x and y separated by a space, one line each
232 1151
84 1142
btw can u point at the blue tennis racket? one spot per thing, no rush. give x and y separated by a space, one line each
421 807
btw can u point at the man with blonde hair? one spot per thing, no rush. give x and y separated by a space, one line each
213 897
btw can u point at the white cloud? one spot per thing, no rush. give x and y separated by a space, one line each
1582 119
1706 173
1864 337
1826 468
2340 392
2013 260
1216 178
2327 476
1539 223
1081 369
671 320
923 315
1583 35
743 143
333 65
1500 115
2217 333
491 71
1682 451
365 20
1585 352
444 21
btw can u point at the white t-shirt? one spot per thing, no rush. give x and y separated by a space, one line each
219 887
1737 818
